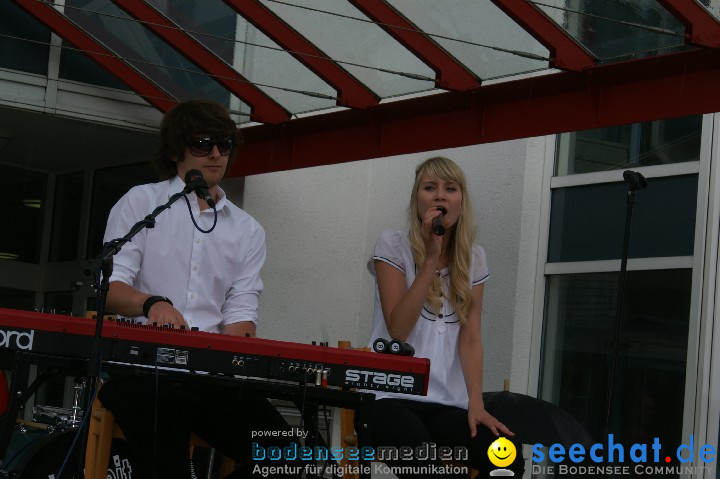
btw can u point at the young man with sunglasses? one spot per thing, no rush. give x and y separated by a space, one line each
176 275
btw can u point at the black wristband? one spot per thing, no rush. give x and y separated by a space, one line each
152 300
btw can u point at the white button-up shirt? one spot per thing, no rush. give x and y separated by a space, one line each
435 335
212 279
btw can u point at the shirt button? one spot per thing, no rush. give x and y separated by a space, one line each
192 296
437 273
440 315
197 240
194 268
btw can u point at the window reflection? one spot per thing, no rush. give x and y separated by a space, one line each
77 66
17 54
587 223
662 142
67 210
649 385
22 192
109 185
144 50
621 29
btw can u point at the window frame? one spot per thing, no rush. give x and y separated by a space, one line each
699 419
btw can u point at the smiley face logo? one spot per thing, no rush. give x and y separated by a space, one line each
502 452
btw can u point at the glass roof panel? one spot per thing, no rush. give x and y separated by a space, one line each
362 48
478 34
712 6
144 50
618 30
255 56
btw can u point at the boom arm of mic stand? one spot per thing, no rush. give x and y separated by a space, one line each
101 266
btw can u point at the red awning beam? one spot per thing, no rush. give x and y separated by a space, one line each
565 52
450 73
620 93
264 108
351 92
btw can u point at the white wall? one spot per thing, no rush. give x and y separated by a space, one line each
322 223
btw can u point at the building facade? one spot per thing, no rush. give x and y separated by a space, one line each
551 212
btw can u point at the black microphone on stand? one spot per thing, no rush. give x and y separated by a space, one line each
636 181
438 226
195 181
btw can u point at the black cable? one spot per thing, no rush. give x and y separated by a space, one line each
303 400
79 432
327 437
155 416
193 218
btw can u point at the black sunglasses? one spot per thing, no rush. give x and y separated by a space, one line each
203 146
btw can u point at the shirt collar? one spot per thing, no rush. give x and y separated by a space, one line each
177 184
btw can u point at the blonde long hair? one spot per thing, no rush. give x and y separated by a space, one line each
459 245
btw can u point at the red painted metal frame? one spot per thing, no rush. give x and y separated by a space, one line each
565 52
70 32
351 92
264 108
450 74
635 91
702 27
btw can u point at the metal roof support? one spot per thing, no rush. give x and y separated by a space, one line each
450 74
626 92
70 32
702 27
351 92
264 108
565 52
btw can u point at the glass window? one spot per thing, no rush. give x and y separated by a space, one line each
211 22
22 192
587 223
29 49
144 50
109 185
77 66
621 29
66 217
649 385
17 299
662 142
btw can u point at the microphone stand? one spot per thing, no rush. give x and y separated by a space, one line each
636 181
101 268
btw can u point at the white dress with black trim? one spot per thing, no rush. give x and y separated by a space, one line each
435 336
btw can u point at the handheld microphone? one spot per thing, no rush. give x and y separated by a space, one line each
195 181
437 223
